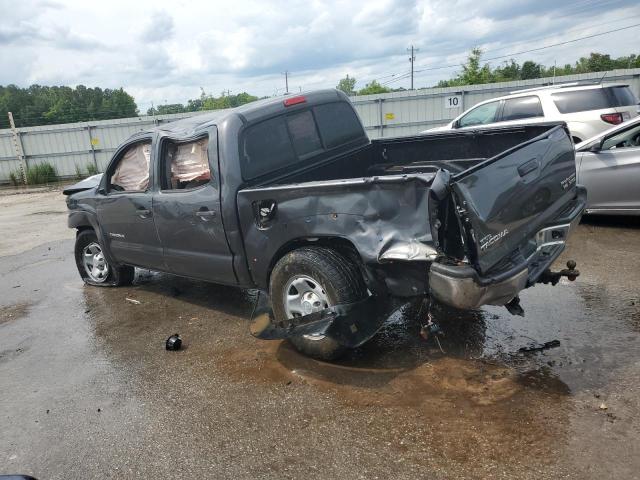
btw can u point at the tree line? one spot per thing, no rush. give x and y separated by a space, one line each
42 105
204 102
45 105
474 71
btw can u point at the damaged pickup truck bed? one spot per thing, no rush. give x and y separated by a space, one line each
289 196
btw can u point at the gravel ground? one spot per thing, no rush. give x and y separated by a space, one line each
88 390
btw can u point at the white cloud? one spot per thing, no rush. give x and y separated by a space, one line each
166 50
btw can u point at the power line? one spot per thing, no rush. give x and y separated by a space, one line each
586 37
580 27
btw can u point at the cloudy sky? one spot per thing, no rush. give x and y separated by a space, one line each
163 51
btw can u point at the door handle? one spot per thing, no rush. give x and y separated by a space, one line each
528 167
205 214
143 212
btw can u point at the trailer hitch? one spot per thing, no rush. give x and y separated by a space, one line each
350 324
554 277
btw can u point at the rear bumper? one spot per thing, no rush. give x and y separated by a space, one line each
462 287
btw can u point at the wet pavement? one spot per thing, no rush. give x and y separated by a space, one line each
87 389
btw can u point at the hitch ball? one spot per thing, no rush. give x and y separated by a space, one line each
571 265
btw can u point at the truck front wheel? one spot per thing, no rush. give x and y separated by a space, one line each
94 267
311 279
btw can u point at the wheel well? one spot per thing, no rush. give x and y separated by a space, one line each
339 244
82 228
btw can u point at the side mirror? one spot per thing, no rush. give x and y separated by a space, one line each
456 124
596 147
102 191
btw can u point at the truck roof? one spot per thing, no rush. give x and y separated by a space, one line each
249 112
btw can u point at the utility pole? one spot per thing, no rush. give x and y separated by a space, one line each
412 59
286 82
17 145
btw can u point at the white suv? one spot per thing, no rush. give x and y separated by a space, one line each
587 109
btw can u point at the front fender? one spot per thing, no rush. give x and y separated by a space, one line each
83 219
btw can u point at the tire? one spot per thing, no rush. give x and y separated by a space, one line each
337 281
89 251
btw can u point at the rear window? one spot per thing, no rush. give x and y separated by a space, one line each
303 132
338 124
288 139
522 107
267 146
593 99
624 97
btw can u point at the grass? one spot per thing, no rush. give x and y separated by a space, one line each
92 169
15 177
41 173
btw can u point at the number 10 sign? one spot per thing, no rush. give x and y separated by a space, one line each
454 101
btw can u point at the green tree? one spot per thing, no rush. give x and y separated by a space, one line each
167 108
41 105
473 72
530 70
373 88
347 85
508 71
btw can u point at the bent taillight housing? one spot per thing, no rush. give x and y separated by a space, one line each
612 118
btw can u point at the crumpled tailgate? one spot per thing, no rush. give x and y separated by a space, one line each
504 201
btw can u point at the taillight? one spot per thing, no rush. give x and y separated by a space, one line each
612 118
294 100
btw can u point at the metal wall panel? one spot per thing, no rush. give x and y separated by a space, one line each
386 115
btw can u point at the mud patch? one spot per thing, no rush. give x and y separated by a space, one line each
445 378
467 410
13 312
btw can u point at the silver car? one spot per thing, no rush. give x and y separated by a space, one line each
609 166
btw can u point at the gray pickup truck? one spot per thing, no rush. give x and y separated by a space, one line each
290 197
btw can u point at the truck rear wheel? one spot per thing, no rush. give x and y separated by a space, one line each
310 279
94 267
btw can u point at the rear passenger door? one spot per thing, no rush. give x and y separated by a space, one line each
186 207
526 109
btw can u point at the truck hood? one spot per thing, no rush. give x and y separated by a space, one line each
86 184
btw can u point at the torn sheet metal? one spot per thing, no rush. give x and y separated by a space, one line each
350 325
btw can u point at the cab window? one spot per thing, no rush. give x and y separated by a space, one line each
521 107
290 139
186 164
480 115
131 173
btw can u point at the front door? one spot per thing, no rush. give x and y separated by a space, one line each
186 210
611 174
125 211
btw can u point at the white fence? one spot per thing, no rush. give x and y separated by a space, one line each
77 145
